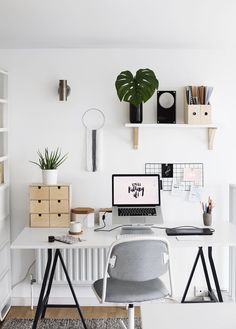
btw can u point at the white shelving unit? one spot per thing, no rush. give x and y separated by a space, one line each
211 129
5 264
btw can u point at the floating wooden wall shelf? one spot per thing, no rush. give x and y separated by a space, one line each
211 129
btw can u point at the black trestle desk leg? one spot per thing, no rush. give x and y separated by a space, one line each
46 298
41 296
210 291
71 288
220 298
191 275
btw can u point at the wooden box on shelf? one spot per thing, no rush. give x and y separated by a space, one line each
205 112
49 205
197 114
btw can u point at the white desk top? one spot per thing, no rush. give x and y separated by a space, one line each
185 316
37 238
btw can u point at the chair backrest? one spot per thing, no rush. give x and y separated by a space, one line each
138 259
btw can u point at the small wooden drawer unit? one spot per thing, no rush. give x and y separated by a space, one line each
49 205
39 192
39 206
59 206
39 220
59 192
59 220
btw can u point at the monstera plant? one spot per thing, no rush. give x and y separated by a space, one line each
136 90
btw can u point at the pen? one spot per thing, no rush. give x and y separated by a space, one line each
202 206
207 206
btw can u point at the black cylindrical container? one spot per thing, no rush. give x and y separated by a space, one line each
136 113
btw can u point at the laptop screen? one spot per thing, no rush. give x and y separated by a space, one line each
136 190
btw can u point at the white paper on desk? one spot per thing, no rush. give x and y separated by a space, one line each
195 194
178 188
193 175
188 238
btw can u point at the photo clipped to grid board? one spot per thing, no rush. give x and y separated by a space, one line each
187 173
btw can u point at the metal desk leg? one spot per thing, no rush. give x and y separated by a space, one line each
41 296
71 288
191 275
220 298
46 298
210 291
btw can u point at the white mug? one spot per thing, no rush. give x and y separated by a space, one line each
75 227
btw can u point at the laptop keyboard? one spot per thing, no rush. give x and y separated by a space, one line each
136 211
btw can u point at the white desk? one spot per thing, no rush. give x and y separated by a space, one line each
197 316
37 238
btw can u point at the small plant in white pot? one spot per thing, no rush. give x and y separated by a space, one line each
49 162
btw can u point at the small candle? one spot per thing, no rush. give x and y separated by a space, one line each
75 227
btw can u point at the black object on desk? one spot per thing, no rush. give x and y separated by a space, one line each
189 231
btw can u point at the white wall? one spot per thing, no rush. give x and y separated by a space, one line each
37 119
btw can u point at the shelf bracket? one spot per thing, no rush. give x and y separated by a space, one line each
135 137
211 136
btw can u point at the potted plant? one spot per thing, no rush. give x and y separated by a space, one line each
136 90
49 162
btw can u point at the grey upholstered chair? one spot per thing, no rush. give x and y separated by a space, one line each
132 272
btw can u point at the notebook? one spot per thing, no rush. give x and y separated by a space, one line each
136 199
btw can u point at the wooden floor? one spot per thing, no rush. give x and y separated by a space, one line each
24 312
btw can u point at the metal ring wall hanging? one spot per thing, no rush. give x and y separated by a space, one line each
94 120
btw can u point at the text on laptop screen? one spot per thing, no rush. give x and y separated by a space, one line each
135 190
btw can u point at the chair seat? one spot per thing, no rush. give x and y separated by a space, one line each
120 291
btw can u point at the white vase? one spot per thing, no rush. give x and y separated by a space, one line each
49 176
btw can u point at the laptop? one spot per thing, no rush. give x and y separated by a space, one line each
136 199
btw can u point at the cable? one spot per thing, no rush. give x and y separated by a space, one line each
159 227
16 284
181 226
101 228
104 223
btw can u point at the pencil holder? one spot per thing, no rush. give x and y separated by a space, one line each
207 219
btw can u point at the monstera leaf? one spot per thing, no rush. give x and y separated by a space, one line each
136 89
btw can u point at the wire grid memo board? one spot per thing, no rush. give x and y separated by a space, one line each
178 174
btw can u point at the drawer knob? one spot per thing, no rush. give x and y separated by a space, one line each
39 201
40 215
59 187
39 187
58 201
59 215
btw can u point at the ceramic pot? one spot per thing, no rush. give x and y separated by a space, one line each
49 176
207 219
136 113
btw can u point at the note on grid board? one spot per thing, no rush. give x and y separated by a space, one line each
188 174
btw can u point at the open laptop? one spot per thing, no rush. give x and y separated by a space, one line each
136 199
